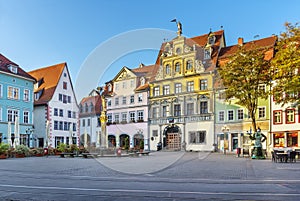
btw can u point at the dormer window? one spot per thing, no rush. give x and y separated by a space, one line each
109 87
207 53
189 65
211 40
13 69
142 81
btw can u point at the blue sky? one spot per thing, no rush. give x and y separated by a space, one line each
38 33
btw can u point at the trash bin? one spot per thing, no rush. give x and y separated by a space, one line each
238 151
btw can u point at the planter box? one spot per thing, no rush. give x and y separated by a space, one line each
20 155
3 156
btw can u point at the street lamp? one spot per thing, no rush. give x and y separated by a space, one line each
225 130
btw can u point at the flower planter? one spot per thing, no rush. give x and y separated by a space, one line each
20 155
3 156
39 155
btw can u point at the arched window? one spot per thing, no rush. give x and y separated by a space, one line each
189 65
178 50
177 67
168 70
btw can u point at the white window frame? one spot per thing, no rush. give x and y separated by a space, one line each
26 117
238 114
13 93
259 112
221 114
166 89
190 86
156 91
26 95
178 88
228 115
140 98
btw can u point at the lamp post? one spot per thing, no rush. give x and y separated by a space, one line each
225 130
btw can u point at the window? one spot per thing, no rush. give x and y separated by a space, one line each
74 115
203 107
292 139
203 84
13 69
155 112
55 112
65 99
124 117
132 116
262 88
177 110
66 126
108 102
261 112
12 114
117 86
26 95
156 91
117 118
190 108
164 111
166 89
13 93
109 118
109 87
277 117
168 69
140 115
207 53
61 112
198 137
240 114
189 65
116 101
230 115
178 50
132 99
155 133
290 116
55 125
74 126
221 116
124 100
140 98
131 83
26 117
60 97
69 113
1 90
177 67
65 74
64 85
88 122
124 84
190 86
83 122
61 125
69 99
177 88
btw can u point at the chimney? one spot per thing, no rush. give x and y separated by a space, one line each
240 41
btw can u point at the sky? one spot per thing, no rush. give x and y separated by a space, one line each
39 33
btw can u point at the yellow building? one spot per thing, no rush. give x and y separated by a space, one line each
181 111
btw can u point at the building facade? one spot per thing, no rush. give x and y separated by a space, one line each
89 118
182 94
232 120
16 104
55 106
127 108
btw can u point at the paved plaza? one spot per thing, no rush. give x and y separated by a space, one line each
161 176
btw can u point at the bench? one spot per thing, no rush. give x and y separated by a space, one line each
144 153
85 155
62 155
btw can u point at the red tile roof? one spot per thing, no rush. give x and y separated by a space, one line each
95 101
4 62
49 76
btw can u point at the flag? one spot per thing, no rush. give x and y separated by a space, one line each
174 20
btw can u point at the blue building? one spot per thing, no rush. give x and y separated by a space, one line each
16 104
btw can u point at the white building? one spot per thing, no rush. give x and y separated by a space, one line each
127 108
89 118
55 106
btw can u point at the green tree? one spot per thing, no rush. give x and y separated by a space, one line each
286 64
242 75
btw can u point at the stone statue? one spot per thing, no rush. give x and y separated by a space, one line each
259 138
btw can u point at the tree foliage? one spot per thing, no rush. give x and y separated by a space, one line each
243 74
286 64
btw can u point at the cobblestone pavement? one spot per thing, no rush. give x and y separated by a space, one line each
194 165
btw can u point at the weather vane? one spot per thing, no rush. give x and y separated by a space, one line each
179 27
